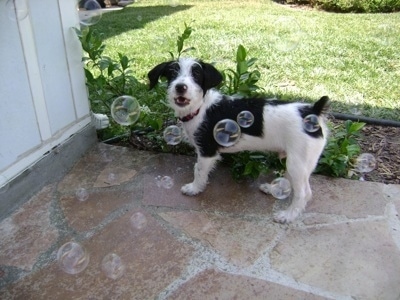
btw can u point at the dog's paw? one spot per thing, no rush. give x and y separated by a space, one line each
190 189
287 216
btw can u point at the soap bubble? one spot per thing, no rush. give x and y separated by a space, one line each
90 13
72 258
112 266
138 220
158 181
139 18
245 119
112 178
384 34
355 110
17 10
355 101
311 123
173 3
125 110
226 132
365 163
81 194
157 46
165 182
4 185
286 34
173 135
280 188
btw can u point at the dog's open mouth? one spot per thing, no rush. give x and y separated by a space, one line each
181 101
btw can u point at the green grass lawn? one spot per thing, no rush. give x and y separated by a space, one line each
302 54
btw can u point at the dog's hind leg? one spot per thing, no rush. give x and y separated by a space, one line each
202 169
298 172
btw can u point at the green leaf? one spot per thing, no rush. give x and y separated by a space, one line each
188 49
186 34
124 61
251 62
249 168
89 75
179 44
241 67
104 64
111 68
241 54
353 150
355 127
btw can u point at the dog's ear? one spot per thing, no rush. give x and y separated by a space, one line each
155 74
212 77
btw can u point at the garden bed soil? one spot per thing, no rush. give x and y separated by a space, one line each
384 143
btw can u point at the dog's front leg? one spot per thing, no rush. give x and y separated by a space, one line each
202 168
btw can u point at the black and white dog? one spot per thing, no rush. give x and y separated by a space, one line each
278 126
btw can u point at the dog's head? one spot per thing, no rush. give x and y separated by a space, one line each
188 81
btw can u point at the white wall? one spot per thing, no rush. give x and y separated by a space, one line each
43 97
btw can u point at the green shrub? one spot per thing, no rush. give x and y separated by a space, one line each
108 78
181 41
243 81
358 6
341 150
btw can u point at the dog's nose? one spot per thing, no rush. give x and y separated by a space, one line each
181 88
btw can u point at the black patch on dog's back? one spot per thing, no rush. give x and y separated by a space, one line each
229 109
318 109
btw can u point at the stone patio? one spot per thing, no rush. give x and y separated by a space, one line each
221 244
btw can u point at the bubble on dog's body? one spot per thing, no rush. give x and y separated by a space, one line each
72 258
245 119
311 123
112 266
227 132
173 135
125 110
280 188
90 13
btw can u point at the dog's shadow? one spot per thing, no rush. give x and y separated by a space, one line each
222 195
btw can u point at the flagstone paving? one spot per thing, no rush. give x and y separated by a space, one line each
221 244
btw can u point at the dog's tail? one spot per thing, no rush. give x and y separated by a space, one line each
321 106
